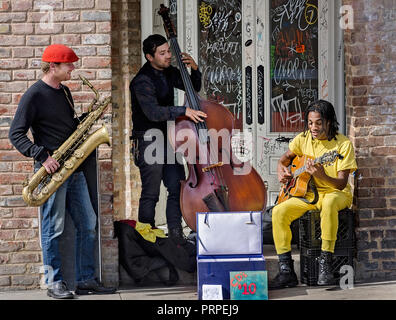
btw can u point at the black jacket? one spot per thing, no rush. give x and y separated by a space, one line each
152 95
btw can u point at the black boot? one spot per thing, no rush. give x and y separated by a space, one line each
172 278
176 235
59 290
286 278
326 276
93 286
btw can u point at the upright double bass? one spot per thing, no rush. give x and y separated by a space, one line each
217 181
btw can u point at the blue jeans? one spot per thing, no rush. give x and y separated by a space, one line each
72 196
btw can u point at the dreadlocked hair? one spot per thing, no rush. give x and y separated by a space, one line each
328 116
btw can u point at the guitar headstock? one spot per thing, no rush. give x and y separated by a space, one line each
329 158
168 25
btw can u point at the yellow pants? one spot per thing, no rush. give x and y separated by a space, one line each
286 212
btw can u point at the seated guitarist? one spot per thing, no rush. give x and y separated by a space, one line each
334 192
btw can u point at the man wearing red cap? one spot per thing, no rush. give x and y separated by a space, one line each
47 109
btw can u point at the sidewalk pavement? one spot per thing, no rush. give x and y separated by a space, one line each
361 291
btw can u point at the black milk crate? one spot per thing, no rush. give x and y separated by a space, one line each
310 232
309 263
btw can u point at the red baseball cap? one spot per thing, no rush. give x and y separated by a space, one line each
59 53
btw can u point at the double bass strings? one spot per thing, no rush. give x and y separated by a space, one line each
194 104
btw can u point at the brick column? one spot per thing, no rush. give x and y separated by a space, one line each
126 62
371 107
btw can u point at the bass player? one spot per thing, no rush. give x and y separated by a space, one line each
320 136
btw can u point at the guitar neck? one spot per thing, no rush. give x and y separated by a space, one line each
304 167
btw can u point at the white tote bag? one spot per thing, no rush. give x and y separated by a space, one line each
229 233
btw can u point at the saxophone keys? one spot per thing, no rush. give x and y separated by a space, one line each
57 177
78 153
25 183
45 190
69 164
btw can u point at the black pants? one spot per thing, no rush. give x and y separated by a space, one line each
151 177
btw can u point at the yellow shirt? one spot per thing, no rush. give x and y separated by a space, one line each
315 148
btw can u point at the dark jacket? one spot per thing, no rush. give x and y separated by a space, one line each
139 257
152 95
47 112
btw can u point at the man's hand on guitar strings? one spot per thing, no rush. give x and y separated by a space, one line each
315 170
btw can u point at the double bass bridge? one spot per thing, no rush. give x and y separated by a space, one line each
216 165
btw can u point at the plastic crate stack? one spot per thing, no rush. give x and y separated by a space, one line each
310 244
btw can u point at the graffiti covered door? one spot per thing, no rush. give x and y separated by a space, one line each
295 47
220 53
288 63
266 61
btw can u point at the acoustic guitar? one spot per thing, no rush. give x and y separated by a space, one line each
298 185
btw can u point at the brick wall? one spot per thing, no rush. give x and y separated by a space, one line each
370 50
125 45
126 50
26 28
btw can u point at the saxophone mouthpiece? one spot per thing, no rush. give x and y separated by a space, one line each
85 81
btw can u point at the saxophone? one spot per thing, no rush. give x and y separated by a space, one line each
70 154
